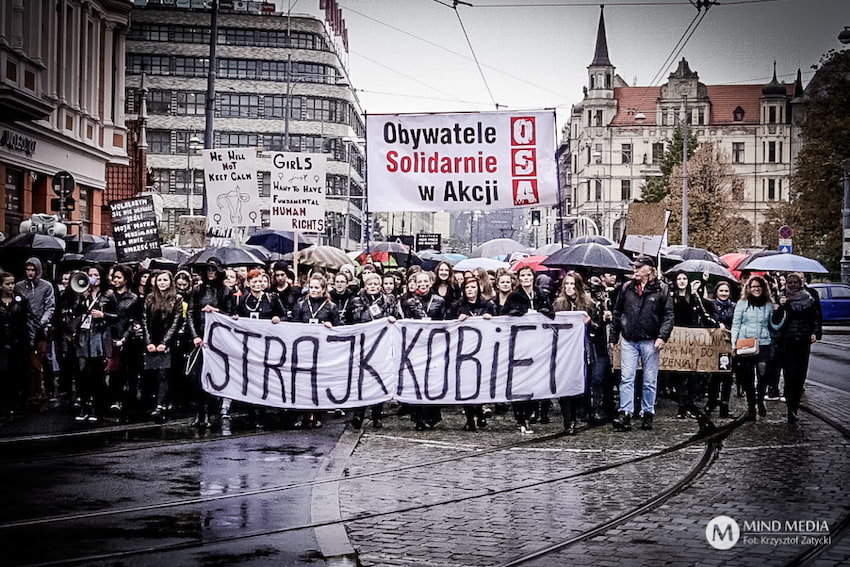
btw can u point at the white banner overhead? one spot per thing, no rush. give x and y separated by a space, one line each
230 180
298 186
297 365
459 162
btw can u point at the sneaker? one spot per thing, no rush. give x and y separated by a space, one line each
623 422
81 417
772 397
782 399
525 430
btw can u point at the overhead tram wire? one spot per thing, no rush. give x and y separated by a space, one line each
595 4
406 76
446 49
673 53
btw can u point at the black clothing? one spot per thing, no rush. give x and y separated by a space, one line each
643 316
519 303
724 311
410 307
160 327
435 306
465 307
126 311
288 297
343 303
691 311
362 303
321 308
216 295
266 307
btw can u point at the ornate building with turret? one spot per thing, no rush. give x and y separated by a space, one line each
618 133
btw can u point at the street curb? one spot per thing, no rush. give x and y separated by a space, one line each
833 344
332 539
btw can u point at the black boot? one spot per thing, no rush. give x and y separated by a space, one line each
646 423
623 422
724 410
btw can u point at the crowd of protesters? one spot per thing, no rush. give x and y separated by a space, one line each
123 343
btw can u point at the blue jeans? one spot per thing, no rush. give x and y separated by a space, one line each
630 351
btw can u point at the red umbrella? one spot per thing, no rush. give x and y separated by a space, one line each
535 262
733 259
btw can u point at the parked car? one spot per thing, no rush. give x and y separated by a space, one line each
834 301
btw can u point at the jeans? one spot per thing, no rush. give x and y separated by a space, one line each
630 351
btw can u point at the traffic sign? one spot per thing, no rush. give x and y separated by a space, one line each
63 184
786 245
786 231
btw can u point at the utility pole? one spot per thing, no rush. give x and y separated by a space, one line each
685 172
845 214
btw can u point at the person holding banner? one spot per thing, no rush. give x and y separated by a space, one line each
574 297
643 315
526 299
720 385
752 320
258 303
288 294
341 294
369 305
444 283
473 305
211 295
317 309
505 284
161 318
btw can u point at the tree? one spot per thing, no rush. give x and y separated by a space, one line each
656 188
714 195
814 211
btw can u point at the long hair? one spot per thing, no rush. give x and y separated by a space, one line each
450 279
582 301
485 288
766 297
324 283
162 301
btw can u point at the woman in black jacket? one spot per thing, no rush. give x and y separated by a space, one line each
720 385
161 318
370 304
800 325
472 304
341 294
126 313
526 299
14 339
94 346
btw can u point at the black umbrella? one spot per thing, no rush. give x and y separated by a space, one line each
592 239
175 254
716 272
228 256
89 241
590 256
106 255
276 240
388 247
693 253
35 241
746 261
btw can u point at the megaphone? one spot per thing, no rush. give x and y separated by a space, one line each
80 282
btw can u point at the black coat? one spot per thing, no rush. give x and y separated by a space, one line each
435 307
518 303
160 327
267 307
322 309
690 310
343 303
410 307
477 309
643 317
14 333
360 304
126 312
797 325
216 295
289 296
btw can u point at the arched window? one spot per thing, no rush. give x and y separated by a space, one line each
738 114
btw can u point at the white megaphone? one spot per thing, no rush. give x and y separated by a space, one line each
80 282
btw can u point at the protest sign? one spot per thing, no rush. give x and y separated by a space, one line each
692 350
645 227
298 182
230 180
191 230
296 365
459 162
134 228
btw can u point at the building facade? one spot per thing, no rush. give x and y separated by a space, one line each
282 85
618 134
61 104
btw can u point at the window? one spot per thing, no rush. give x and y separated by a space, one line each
160 179
159 141
665 121
738 114
657 152
190 104
185 34
779 153
191 66
626 190
597 153
237 68
181 139
274 142
737 152
265 183
237 37
588 154
771 189
271 38
589 117
701 115
771 152
240 106
771 115
150 64
237 140
148 32
627 153
275 106
598 195
838 292
320 109
272 70
181 184
159 102
597 118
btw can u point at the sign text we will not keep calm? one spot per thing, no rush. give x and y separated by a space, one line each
230 181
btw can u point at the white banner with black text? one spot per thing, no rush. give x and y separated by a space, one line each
303 366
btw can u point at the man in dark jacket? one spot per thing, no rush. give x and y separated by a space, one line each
643 315
42 302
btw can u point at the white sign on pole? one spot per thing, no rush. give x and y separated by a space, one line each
298 192
230 178
460 162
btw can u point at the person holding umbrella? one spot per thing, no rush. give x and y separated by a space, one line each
799 326
643 315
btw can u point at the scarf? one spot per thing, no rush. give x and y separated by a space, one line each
799 301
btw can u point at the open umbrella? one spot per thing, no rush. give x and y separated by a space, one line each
592 239
454 258
484 263
35 241
693 253
590 256
744 265
175 254
97 255
388 258
323 257
430 259
228 256
388 247
276 240
497 247
548 249
716 272
787 263
535 262
733 259
73 241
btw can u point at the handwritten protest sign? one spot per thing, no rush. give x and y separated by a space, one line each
692 350
135 230
295 365
230 179
298 185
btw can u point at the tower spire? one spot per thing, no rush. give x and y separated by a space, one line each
600 56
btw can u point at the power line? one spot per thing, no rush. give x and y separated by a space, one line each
474 56
405 75
675 53
386 93
670 55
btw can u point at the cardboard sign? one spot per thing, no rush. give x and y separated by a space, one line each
134 228
230 180
191 231
298 186
692 350
645 227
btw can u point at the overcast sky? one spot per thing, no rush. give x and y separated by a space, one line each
412 56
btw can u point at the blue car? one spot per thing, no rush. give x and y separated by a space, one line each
834 301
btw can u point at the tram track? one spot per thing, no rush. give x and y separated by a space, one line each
711 440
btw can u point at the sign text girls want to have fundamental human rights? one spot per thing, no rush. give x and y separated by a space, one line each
452 162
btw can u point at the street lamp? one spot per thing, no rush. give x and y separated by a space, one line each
193 143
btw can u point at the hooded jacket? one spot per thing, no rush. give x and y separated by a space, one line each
41 298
